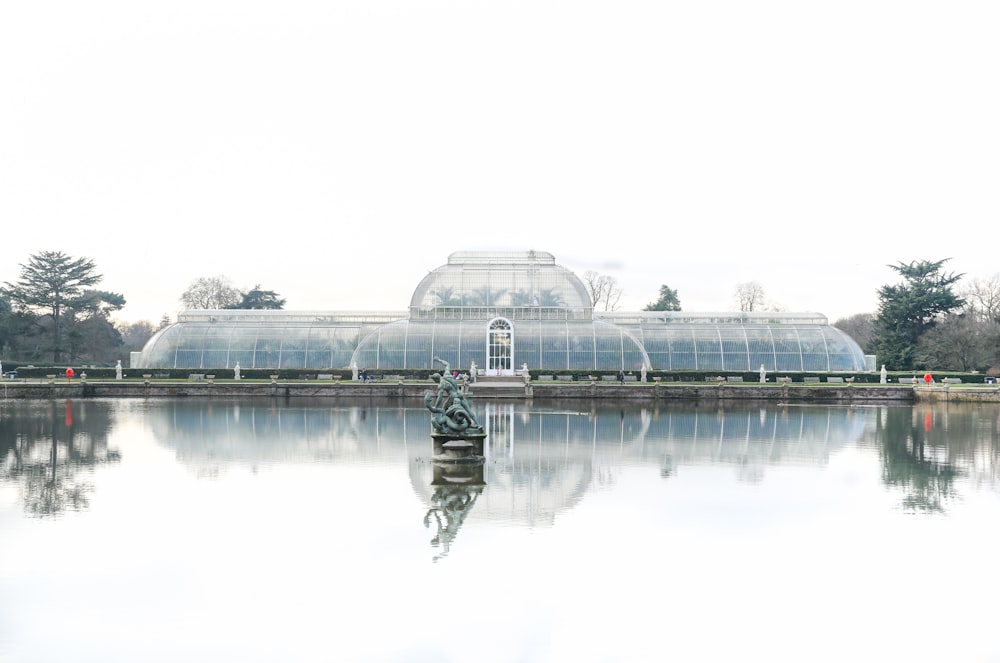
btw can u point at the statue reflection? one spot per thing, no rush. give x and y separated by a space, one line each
457 486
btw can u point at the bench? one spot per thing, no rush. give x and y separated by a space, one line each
834 378
907 380
811 378
324 376
783 380
546 378
196 376
161 375
734 378
952 380
566 378
630 378
609 378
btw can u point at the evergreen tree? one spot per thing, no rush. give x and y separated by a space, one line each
260 299
52 281
908 310
668 301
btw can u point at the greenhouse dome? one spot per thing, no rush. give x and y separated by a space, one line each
501 312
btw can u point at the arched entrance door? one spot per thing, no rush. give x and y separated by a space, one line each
500 347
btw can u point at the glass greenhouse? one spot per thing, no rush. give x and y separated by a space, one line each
500 312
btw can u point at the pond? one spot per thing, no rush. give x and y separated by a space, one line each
214 530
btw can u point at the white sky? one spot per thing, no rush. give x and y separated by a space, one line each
336 151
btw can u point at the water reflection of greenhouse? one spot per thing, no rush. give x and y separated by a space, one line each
540 460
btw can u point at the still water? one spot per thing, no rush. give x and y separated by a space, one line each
189 530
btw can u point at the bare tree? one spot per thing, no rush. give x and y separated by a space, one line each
959 343
859 326
750 296
135 334
982 298
603 290
211 292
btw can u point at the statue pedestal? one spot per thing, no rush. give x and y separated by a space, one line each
459 476
466 448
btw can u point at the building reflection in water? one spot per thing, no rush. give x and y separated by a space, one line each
540 458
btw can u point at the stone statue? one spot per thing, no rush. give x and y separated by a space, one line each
450 411
642 372
763 374
236 371
883 375
118 370
354 371
472 372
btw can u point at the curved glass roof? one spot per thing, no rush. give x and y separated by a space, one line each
516 279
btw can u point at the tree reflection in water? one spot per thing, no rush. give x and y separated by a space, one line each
44 449
911 462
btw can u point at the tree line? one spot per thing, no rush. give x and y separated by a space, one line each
926 321
55 313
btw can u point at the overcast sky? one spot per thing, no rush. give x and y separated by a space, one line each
335 152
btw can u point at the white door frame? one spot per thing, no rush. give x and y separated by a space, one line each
500 347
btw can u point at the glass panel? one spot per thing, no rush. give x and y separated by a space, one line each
390 348
188 359
267 352
707 349
609 348
682 350
190 346
552 345
446 345
657 348
345 341
217 338
761 348
293 347
420 345
813 350
734 348
633 358
214 358
581 348
473 344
